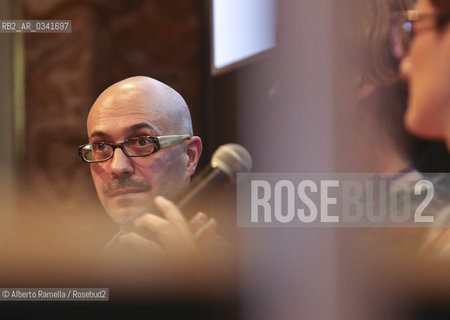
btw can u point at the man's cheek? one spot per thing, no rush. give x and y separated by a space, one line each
150 167
97 170
99 176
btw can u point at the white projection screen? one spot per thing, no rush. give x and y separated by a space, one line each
241 31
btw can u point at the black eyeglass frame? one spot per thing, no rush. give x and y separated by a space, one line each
412 16
159 141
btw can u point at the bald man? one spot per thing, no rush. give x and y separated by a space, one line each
141 151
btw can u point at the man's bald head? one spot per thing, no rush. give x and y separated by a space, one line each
166 105
132 110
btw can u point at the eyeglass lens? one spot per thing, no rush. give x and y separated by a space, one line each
141 146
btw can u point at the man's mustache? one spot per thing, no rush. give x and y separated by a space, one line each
117 184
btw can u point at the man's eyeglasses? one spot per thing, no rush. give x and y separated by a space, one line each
135 147
402 30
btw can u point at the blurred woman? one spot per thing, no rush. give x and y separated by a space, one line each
422 39
372 113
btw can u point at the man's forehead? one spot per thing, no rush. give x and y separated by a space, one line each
126 121
114 112
123 130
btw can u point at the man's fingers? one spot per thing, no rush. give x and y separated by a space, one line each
206 236
141 244
153 223
173 214
198 221
207 231
169 235
164 229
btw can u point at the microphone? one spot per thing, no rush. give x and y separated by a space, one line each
226 161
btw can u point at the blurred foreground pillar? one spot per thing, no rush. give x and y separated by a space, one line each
11 118
286 120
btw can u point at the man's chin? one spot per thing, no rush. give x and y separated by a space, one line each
125 217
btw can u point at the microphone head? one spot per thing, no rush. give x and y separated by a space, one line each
231 158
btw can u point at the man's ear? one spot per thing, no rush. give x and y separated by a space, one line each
193 150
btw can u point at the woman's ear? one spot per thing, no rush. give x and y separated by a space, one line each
362 87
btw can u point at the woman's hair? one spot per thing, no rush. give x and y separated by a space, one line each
369 42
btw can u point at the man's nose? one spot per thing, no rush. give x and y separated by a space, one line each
120 163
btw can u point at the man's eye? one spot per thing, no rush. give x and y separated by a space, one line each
99 146
142 142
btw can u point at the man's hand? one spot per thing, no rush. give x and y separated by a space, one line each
176 235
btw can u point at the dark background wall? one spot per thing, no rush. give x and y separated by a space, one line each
110 40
